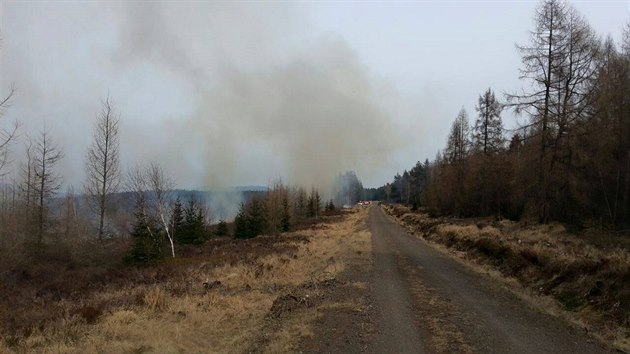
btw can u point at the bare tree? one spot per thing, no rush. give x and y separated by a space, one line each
488 131
26 185
488 142
103 166
70 219
540 58
625 44
459 138
153 181
162 187
45 182
7 135
136 183
560 63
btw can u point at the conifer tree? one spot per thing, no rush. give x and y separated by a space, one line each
192 230
285 221
222 229
458 140
146 244
300 206
241 227
488 131
251 219
330 206
256 216
314 204
177 219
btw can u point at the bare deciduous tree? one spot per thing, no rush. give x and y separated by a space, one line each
103 167
153 181
162 187
7 135
27 174
45 181
488 131
560 62
625 44
540 59
459 138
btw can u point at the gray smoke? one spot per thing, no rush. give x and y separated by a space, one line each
221 94
312 110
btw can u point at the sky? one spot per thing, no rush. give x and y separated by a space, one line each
245 93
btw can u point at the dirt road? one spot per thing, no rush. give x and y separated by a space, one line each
424 302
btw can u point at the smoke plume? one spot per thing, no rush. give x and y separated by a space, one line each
220 94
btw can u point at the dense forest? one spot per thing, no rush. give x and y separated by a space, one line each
569 158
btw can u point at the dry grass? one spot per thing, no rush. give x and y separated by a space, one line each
588 282
167 308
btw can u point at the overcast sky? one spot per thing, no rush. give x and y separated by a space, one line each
225 93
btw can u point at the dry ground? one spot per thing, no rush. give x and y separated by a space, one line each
577 277
259 295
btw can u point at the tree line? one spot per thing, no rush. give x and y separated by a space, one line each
569 158
33 210
36 216
280 209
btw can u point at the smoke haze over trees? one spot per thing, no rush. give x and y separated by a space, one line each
239 99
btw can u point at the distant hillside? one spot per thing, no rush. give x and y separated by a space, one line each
221 204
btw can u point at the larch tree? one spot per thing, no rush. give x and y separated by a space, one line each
45 180
274 199
487 141
559 62
540 57
103 165
300 205
459 138
7 135
487 134
604 153
314 204
27 175
454 173
625 44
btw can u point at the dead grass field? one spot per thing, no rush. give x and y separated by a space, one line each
577 277
230 296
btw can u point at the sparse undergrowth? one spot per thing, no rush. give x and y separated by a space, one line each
226 296
590 280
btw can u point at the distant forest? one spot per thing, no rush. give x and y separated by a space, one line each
568 161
